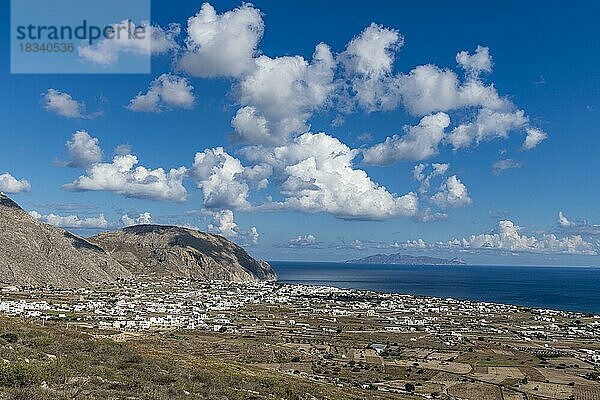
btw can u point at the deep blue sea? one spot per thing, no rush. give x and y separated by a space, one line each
561 288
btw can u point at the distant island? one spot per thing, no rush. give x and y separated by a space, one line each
403 259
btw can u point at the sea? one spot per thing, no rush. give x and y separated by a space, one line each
551 287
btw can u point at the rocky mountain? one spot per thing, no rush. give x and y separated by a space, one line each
36 254
175 251
404 259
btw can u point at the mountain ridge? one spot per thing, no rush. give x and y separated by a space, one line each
181 252
36 254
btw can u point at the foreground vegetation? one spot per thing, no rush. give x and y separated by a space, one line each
52 362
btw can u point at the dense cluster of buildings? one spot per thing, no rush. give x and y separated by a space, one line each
147 305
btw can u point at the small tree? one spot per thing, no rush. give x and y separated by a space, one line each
10 337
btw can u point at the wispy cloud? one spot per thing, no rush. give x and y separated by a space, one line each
63 104
579 226
502 165
156 40
303 241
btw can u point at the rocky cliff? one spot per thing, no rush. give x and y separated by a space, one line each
180 252
36 254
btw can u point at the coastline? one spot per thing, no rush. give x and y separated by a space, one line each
554 287
571 313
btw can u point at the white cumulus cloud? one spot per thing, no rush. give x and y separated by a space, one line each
368 62
121 176
534 137
487 125
12 185
508 237
428 88
72 221
165 92
475 64
83 149
318 176
563 220
280 95
452 194
144 218
222 44
63 104
418 143
224 225
303 241
220 177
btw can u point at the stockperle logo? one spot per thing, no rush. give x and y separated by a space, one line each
74 36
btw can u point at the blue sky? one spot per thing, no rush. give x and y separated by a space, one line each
368 83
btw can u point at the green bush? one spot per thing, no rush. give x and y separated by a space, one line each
10 337
17 375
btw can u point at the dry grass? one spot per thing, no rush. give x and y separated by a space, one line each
551 390
475 391
586 392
